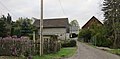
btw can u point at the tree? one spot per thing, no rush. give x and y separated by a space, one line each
26 27
74 23
9 25
22 27
9 19
99 36
74 27
96 35
5 25
3 29
112 21
85 35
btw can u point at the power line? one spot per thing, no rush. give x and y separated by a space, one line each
62 7
7 9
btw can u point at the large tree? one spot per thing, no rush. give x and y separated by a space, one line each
3 25
9 24
22 27
26 28
74 23
112 20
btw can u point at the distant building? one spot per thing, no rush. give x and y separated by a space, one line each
74 29
91 22
58 26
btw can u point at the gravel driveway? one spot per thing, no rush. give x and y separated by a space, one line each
88 52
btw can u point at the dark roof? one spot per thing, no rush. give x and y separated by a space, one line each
90 22
53 23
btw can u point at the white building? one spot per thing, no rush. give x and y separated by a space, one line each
58 26
74 29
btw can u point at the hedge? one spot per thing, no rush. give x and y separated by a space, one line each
26 47
71 43
16 47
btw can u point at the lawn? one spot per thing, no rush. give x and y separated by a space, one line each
115 51
64 52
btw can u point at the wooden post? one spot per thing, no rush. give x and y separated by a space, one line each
34 36
34 39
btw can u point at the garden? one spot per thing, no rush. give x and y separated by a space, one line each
22 48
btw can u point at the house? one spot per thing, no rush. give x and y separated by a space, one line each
74 29
56 26
91 22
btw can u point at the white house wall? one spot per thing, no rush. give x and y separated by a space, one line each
74 29
61 32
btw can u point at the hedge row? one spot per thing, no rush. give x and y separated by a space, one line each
71 43
16 47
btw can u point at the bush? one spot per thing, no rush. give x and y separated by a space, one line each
15 47
85 34
71 43
97 35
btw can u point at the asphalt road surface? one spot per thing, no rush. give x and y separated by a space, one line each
88 52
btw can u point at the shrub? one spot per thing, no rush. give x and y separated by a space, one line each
100 40
71 43
15 47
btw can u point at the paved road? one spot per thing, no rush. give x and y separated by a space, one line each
88 52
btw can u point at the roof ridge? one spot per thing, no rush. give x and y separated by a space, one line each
52 18
90 20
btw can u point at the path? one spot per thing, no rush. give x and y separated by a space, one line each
88 52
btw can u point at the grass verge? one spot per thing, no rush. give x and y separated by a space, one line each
115 51
64 52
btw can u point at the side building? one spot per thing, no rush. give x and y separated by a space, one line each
91 22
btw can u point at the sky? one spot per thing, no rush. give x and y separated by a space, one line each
80 10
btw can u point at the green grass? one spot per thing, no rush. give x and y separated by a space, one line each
64 52
115 51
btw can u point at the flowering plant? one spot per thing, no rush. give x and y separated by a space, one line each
15 46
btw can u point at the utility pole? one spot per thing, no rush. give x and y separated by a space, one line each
41 28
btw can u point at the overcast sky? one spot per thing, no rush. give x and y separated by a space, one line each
81 10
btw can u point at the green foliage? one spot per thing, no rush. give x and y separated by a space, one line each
74 23
100 40
70 43
9 19
51 45
2 28
64 52
5 24
23 27
115 51
111 11
16 47
85 35
95 35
